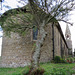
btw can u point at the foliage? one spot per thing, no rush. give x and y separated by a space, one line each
67 60
16 24
74 59
63 61
57 59
55 12
70 60
57 9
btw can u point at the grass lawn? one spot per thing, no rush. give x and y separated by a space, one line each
50 69
59 69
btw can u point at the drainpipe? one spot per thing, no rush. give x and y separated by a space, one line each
61 47
53 39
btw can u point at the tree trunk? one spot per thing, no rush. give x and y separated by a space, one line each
39 42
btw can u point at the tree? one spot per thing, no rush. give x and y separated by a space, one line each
40 13
56 10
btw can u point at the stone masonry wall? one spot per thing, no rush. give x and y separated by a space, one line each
46 49
60 48
17 50
57 42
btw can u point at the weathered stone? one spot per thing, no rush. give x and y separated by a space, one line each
16 52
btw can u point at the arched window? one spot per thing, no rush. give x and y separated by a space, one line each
35 33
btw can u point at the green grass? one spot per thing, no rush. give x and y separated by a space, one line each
58 69
50 69
13 71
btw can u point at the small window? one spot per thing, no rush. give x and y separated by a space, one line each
35 33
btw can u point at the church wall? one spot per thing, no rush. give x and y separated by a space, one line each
47 48
64 49
60 46
56 41
17 50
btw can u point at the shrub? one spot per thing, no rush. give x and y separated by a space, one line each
71 60
57 59
74 59
63 61
52 61
68 60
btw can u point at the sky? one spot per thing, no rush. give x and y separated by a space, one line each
12 4
72 28
15 4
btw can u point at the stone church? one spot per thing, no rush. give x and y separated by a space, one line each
17 50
